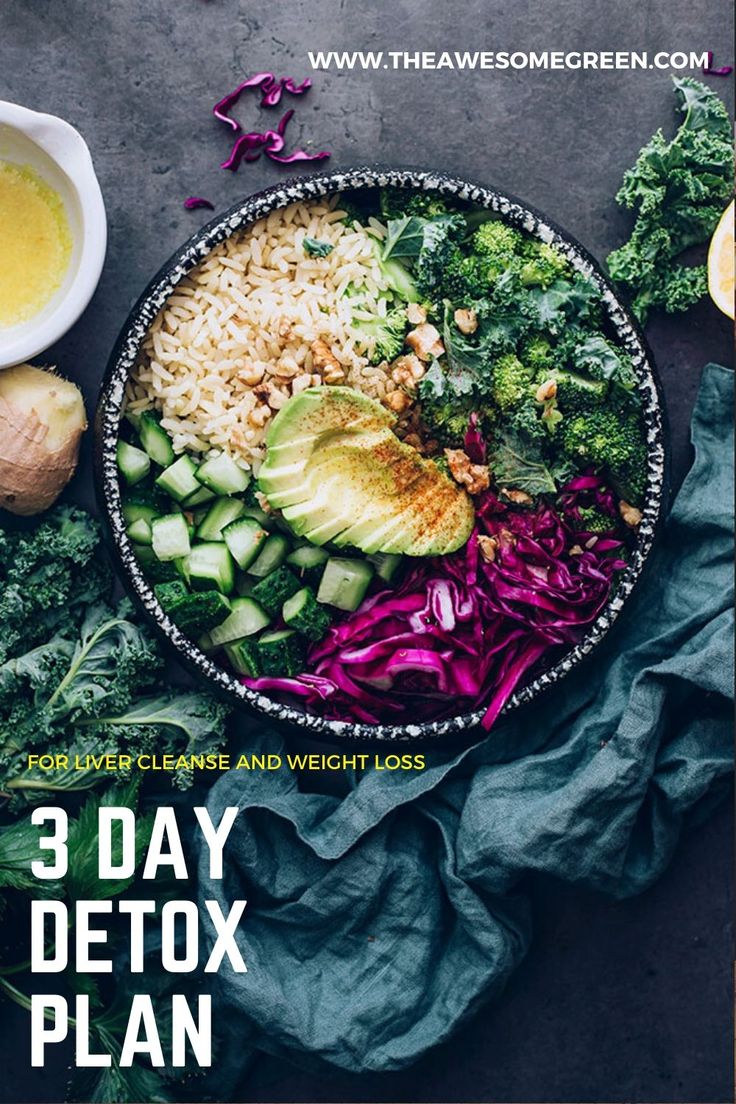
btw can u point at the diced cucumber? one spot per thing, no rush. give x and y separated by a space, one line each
170 593
274 551
133 418
179 480
308 562
204 641
304 613
222 475
154 570
281 653
221 513
344 582
266 521
244 658
210 566
244 537
274 590
155 440
244 585
135 511
199 497
247 618
170 537
387 565
134 463
199 613
140 531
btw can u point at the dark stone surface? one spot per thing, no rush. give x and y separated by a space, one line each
617 1001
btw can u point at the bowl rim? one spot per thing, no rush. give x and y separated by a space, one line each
237 218
66 147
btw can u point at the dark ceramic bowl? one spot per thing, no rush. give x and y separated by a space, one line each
235 220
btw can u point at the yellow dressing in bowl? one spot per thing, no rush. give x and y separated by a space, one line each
35 243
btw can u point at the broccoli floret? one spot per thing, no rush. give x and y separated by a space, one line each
498 244
593 520
605 439
447 418
465 279
397 202
578 393
537 353
510 382
383 337
544 265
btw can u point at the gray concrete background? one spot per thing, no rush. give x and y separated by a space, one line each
616 1002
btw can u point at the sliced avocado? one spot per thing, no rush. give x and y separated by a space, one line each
339 473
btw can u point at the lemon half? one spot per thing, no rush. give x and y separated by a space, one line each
721 263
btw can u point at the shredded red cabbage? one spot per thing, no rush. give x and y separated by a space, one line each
462 631
193 202
271 91
721 71
248 147
474 442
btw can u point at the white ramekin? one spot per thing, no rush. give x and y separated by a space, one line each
59 154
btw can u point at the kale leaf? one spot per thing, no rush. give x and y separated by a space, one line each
678 189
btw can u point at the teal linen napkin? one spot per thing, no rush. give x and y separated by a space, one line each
378 922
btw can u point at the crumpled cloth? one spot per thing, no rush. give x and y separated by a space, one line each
378 922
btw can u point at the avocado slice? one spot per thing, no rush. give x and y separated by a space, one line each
337 471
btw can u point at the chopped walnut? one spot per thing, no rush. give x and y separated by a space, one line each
263 502
466 321
505 538
474 477
425 341
576 550
519 498
398 401
259 415
546 391
251 374
237 438
325 361
415 314
407 370
630 514
488 548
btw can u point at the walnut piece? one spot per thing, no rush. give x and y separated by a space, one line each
474 477
520 498
466 321
425 341
546 391
398 401
630 514
407 370
263 502
416 314
325 361
488 548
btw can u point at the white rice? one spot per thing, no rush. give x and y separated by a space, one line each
236 338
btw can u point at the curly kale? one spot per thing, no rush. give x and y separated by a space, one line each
538 353
439 250
46 575
677 189
92 684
